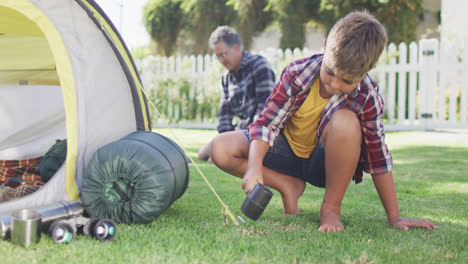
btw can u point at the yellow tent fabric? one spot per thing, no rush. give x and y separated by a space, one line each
15 23
26 59
25 52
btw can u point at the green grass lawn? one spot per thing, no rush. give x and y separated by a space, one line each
430 173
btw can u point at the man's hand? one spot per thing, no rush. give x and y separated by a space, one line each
251 178
406 223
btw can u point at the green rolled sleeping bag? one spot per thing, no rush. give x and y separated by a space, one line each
134 179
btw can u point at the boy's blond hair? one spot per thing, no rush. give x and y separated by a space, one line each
355 43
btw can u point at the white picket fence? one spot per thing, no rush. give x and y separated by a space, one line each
424 85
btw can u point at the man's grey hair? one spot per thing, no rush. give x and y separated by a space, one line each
225 34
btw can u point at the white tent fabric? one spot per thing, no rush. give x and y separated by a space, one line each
32 119
103 93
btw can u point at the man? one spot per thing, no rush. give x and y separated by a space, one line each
246 85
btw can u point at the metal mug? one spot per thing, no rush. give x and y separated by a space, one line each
25 227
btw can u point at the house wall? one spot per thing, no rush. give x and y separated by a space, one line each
453 26
429 25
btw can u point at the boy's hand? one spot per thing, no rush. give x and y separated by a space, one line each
406 223
254 174
251 178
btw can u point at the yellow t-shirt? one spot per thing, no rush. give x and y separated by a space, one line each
301 128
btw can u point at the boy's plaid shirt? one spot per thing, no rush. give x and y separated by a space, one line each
291 91
244 94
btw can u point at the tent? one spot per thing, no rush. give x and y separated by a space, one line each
65 72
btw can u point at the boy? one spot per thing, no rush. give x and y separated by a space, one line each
322 125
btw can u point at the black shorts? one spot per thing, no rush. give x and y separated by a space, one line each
281 158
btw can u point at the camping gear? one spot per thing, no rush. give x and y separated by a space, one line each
8 193
256 201
102 229
64 230
61 220
49 213
134 179
52 160
65 73
25 227
24 171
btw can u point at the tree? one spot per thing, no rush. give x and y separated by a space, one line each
292 16
204 17
164 19
400 17
253 18
187 24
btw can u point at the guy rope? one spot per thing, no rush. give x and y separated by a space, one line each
225 209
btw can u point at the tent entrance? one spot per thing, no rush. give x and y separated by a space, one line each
31 101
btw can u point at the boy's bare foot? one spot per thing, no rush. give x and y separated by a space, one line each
330 222
205 152
300 210
291 193
203 155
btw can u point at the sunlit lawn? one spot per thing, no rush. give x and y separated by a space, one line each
431 180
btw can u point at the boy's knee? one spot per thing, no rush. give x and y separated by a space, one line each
217 153
223 148
228 146
345 123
